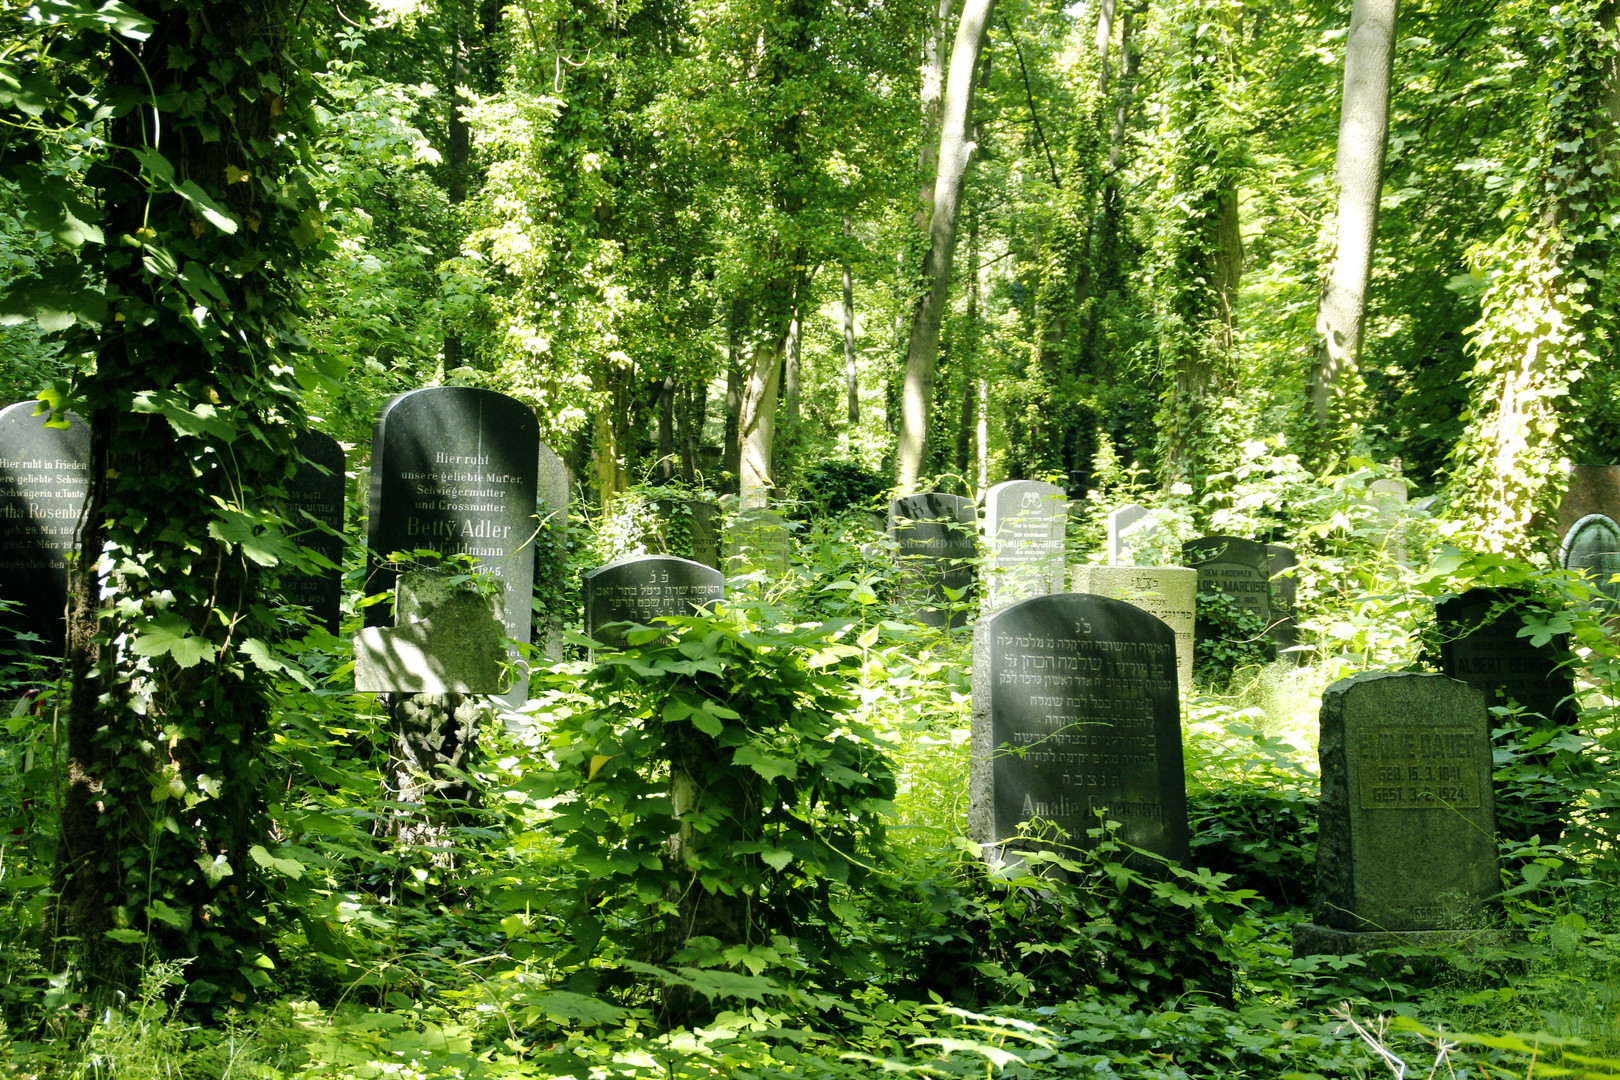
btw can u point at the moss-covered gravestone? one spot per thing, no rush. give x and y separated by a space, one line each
1407 846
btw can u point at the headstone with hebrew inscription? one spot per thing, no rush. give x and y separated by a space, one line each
935 536
44 483
453 471
316 492
1407 847
1075 714
1024 525
1169 593
1122 523
641 589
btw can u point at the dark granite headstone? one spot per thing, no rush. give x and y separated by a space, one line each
44 480
1234 566
1282 564
1407 818
453 470
1592 546
1075 711
1024 524
318 494
935 534
642 588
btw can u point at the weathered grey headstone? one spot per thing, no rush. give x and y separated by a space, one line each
689 528
759 540
1424 505
1282 565
1239 568
1592 547
1024 526
1389 497
453 470
447 641
1593 489
316 490
1169 593
935 535
44 483
1121 524
551 484
1407 818
642 588
1075 711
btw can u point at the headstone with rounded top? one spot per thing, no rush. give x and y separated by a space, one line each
1024 526
1075 715
935 536
44 486
1407 853
643 588
1235 567
1592 547
1593 489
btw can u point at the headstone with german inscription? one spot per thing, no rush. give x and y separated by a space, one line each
1024 526
1075 713
316 491
1169 593
1235 567
1407 849
642 588
453 471
1283 567
44 482
935 536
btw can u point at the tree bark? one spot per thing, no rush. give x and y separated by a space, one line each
852 384
955 151
1369 54
756 425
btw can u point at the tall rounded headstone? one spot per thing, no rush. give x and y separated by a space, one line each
1075 713
1592 547
642 588
44 483
935 535
1407 816
1283 567
453 470
1024 526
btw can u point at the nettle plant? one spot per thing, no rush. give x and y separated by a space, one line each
718 804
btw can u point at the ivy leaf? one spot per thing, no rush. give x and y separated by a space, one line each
155 163
216 869
290 867
160 911
167 634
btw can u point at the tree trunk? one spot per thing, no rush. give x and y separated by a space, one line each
922 353
666 428
1369 55
756 424
852 384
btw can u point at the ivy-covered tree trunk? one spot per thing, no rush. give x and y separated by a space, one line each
928 314
1369 57
193 404
1544 318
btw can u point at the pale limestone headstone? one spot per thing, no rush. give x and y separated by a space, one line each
446 641
1168 592
1024 526
1390 498
1121 524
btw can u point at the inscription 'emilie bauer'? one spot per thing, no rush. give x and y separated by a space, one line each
1418 770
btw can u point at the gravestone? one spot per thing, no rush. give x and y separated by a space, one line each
1121 524
759 540
1234 566
552 485
1480 645
690 528
1389 496
1282 565
1407 848
1593 489
1592 546
642 588
447 640
44 483
935 536
453 470
1024 526
1168 593
316 489
1075 711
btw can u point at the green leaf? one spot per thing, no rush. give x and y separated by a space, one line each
126 937
167 634
207 207
290 867
160 911
766 765
216 869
